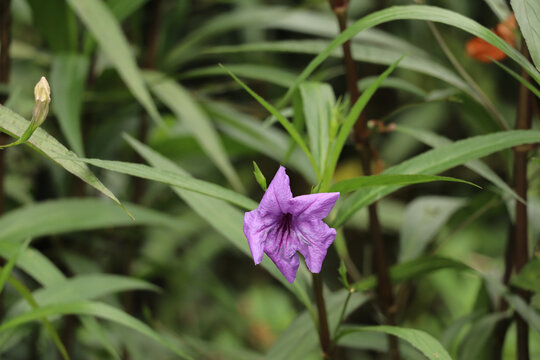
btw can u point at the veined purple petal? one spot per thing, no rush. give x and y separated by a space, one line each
314 239
277 198
255 231
313 206
288 266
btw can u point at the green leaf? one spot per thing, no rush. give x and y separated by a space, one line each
528 277
174 179
94 309
422 220
415 12
25 293
282 120
68 79
438 160
424 342
6 271
349 185
82 287
434 140
273 75
224 218
519 78
318 102
14 125
63 216
261 180
97 17
394 83
476 344
528 17
412 269
185 108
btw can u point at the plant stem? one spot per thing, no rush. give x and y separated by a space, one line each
324 331
342 315
361 138
521 252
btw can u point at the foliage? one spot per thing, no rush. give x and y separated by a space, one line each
208 99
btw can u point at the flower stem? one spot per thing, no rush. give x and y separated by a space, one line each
324 331
361 138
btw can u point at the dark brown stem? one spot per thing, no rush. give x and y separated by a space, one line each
324 331
361 138
521 252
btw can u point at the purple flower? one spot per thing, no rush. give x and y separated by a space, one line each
283 225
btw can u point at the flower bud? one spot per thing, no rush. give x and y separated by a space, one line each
42 94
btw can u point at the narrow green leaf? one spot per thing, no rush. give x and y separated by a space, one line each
273 75
6 271
519 78
82 287
435 140
349 185
528 17
528 278
423 219
261 180
424 342
438 160
174 179
318 101
476 344
27 295
412 269
56 23
98 18
68 79
94 309
282 120
185 108
394 83
14 125
68 215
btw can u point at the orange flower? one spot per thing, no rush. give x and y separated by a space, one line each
481 50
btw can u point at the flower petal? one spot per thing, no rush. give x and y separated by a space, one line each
256 229
314 239
288 266
277 198
313 206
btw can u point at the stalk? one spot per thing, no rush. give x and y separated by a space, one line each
361 138
521 251
324 331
